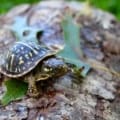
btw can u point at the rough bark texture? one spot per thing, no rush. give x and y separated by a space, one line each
96 97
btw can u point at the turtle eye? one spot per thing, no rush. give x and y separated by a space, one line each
46 69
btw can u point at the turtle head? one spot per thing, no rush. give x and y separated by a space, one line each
54 67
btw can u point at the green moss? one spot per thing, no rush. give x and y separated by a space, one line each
6 5
112 6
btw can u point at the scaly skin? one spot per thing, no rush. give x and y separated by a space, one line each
51 68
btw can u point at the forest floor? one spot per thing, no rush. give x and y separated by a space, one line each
95 97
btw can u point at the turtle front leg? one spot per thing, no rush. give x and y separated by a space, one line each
32 88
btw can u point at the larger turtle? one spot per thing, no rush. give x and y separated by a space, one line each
22 57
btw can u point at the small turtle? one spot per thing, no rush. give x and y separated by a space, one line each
23 57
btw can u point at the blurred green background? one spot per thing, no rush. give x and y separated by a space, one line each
112 6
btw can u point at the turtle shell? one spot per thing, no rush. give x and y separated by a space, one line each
23 57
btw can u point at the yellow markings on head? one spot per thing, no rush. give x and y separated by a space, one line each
46 70
21 60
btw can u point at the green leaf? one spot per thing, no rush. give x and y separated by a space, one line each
72 51
24 32
16 89
72 38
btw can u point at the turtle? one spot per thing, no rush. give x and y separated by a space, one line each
23 57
